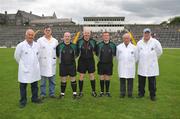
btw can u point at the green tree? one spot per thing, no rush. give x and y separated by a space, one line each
175 21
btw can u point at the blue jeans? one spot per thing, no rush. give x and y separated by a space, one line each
51 85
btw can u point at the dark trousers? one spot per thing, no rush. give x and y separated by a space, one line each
23 92
151 85
123 86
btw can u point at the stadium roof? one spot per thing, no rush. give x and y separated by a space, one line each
42 21
104 18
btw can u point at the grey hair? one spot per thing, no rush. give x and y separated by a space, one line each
29 30
126 34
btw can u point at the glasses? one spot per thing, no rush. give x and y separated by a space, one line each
48 30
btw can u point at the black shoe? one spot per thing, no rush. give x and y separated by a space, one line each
61 96
22 105
42 97
108 94
130 96
52 96
80 94
94 94
140 96
153 98
122 96
37 101
101 94
74 96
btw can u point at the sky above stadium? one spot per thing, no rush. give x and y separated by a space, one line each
135 11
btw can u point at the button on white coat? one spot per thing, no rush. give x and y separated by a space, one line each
148 57
27 58
47 56
126 57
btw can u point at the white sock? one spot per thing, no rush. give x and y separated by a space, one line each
62 93
74 93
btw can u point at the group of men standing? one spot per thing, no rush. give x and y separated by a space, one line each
37 60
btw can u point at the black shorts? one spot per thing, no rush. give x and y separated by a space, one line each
105 68
86 65
67 70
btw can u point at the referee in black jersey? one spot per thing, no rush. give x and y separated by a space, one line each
67 52
105 50
86 63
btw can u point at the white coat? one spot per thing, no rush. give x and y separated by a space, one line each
27 58
148 54
126 57
47 56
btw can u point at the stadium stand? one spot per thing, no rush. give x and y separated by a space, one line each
10 36
169 37
13 27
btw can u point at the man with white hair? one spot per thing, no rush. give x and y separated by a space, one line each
26 55
149 50
86 62
126 55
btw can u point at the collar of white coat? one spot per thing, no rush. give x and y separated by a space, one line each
50 40
127 45
147 41
27 44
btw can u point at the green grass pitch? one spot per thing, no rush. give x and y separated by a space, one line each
167 105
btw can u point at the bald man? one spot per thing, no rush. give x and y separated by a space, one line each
26 55
86 63
126 56
67 52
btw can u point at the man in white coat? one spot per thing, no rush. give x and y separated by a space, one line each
26 55
47 60
149 50
126 55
